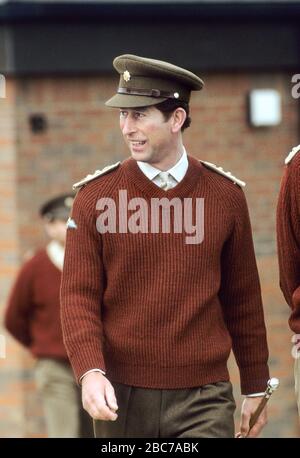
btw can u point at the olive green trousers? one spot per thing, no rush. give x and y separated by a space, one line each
61 400
205 411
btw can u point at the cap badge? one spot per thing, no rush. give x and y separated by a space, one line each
126 76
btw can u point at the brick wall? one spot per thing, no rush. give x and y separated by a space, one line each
12 393
82 135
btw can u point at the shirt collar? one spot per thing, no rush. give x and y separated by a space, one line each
177 171
56 252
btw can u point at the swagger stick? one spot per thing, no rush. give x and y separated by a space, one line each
273 384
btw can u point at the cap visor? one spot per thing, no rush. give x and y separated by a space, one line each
132 101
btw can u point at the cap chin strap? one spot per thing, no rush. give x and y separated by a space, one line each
149 93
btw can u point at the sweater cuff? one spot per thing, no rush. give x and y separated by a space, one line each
254 379
91 370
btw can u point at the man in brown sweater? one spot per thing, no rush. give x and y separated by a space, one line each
33 318
288 242
160 279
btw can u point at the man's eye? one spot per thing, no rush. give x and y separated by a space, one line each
139 114
123 114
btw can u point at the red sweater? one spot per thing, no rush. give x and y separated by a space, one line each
288 239
154 311
33 312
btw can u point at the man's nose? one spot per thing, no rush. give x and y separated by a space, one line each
128 126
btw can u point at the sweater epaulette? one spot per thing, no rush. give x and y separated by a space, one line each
291 154
96 174
225 174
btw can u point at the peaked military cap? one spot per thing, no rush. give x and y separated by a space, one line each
57 208
146 82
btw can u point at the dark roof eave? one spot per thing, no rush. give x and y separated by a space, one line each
33 11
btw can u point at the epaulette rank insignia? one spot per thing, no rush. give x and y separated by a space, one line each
292 154
96 174
225 174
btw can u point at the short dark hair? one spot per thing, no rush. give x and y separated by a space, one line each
169 106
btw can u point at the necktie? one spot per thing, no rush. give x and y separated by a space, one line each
165 182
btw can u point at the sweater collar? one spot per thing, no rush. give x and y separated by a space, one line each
141 181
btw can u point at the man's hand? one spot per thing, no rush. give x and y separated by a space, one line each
248 407
98 397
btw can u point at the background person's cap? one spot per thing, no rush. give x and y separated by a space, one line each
58 207
145 82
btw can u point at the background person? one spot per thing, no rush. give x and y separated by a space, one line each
288 243
33 318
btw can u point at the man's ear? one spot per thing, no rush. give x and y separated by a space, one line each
178 117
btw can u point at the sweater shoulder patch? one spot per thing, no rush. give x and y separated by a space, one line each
96 174
225 174
292 154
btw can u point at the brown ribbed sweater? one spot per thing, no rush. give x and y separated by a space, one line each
154 311
33 311
288 239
